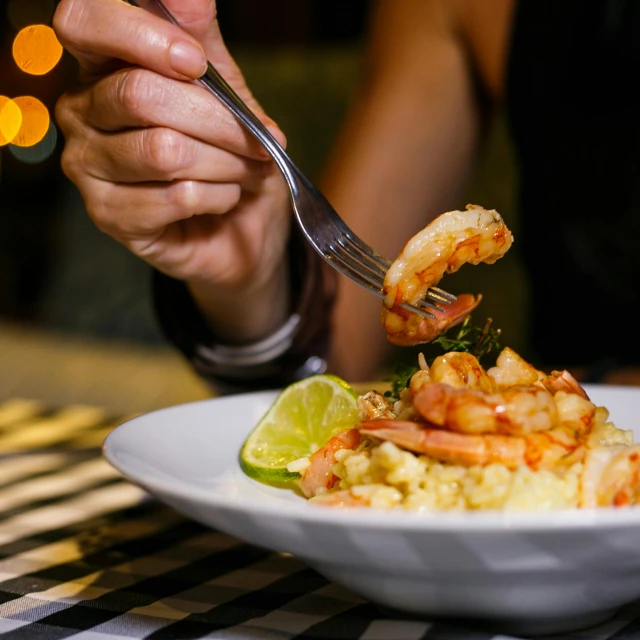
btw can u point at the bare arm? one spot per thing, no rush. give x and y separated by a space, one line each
404 155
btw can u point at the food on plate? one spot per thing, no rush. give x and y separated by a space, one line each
455 434
462 437
452 239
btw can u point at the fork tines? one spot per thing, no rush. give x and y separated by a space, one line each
361 263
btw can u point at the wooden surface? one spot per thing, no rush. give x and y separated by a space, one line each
61 370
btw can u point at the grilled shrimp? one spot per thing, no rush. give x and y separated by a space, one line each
511 369
405 328
318 476
611 476
460 370
514 411
563 381
443 246
540 450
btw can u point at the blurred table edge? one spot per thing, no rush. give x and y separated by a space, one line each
60 369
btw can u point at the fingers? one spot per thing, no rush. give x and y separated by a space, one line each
202 142
96 31
197 17
140 98
164 155
128 212
132 162
135 98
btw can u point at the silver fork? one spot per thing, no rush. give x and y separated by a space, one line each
322 226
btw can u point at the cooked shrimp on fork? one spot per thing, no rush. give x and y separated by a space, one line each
452 239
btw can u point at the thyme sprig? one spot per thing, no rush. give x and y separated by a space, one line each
478 341
468 338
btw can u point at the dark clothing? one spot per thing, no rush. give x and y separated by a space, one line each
313 287
574 114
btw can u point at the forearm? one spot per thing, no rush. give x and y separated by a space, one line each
404 156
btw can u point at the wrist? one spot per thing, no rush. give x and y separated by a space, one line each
246 315
296 349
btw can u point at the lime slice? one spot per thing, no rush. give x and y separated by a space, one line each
301 420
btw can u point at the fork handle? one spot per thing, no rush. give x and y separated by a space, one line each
220 88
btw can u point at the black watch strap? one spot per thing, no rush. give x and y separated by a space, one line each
296 350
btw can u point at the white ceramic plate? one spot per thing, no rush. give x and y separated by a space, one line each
528 573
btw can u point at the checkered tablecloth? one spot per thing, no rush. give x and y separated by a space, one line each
86 555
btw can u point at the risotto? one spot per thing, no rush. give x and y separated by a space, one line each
385 476
571 457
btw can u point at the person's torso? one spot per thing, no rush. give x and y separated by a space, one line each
565 73
575 120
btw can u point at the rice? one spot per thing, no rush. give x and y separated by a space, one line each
389 477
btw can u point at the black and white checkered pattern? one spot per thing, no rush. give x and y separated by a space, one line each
86 555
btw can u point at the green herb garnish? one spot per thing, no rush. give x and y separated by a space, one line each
399 379
478 341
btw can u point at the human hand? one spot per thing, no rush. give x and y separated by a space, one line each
162 166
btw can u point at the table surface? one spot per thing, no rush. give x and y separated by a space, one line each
62 369
85 554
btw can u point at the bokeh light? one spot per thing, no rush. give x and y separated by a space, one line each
35 121
40 151
10 120
36 49
25 12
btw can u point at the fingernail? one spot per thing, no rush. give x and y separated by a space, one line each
187 59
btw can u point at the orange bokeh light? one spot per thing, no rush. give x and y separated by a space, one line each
10 120
35 121
36 49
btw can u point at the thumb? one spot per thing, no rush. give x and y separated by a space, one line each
199 18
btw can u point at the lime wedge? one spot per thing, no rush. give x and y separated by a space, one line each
302 419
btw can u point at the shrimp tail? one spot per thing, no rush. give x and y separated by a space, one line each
407 328
564 381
